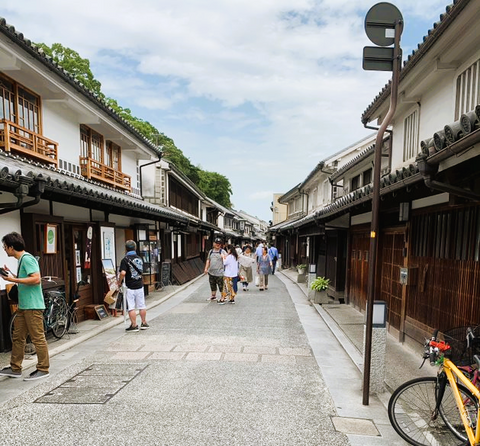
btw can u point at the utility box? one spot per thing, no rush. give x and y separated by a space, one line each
408 276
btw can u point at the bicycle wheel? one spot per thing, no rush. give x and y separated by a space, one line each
29 347
411 413
58 318
453 419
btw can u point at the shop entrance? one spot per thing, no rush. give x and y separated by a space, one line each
78 252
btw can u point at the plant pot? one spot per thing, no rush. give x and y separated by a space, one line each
321 297
301 278
302 271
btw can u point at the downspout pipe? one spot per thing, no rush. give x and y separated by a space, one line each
21 192
148 164
429 171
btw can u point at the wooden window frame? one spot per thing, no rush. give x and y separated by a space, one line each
16 86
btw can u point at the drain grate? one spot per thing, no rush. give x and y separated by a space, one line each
97 384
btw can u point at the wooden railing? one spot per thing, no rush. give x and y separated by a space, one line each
93 169
17 139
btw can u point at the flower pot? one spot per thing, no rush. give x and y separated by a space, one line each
321 297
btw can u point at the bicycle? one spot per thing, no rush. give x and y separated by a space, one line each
441 410
55 318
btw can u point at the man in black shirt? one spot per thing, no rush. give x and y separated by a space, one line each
131 269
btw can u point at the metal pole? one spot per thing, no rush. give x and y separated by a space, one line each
374 233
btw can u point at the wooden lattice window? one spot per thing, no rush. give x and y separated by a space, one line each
91 144
447 234
113 156
19 105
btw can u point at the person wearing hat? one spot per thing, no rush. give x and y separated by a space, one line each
131 269
214 268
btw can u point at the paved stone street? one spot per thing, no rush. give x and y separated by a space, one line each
204 374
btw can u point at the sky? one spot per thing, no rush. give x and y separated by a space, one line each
259 91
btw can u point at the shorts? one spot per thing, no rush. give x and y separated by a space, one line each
215 281
135 299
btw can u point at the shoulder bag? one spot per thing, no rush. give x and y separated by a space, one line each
12 293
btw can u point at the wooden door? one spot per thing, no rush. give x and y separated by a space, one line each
392 259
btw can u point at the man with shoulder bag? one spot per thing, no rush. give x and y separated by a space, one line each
131 270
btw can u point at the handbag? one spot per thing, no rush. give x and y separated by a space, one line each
12 293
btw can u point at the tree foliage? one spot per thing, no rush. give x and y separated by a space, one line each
216 186
212 184
72 62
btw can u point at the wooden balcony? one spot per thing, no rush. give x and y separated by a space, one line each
95 170
19 140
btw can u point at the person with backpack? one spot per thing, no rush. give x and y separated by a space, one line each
131 270
215 269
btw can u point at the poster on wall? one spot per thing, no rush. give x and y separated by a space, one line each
108 243
88 247
50 239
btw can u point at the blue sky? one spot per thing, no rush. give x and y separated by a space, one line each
259 91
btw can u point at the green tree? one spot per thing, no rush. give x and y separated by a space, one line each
72 62
212 184
216 186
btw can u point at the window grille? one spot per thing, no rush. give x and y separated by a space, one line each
467 95
410 136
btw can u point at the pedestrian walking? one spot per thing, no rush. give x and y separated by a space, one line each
264 268
214 268
29 320
273 253
230 261
259 251
131 270
246 262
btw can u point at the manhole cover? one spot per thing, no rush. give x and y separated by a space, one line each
95 385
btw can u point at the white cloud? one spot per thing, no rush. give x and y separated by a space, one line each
272 83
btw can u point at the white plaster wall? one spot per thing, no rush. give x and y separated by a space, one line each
437 107
61 125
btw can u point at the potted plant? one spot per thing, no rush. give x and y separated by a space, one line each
320 287
302 268
320 284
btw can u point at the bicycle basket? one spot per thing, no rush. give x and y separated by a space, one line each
457 338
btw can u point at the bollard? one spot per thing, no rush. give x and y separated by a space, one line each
379 347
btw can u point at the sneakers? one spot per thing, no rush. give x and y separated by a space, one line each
144 326
231 301
132 329
212 298
37 374
221 302
7 371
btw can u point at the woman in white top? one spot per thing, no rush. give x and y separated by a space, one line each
230 262
246 261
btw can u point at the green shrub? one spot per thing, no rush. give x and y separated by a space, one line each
320 284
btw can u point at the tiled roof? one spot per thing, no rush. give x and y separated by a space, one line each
451 134
38 53
76 187
361 156
451 12
389 183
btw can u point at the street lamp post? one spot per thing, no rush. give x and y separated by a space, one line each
381 20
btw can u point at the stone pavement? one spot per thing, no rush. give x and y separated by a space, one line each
265 371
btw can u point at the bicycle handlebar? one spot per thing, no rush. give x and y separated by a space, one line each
432 348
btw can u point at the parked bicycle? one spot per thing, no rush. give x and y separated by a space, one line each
441 410
55 317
